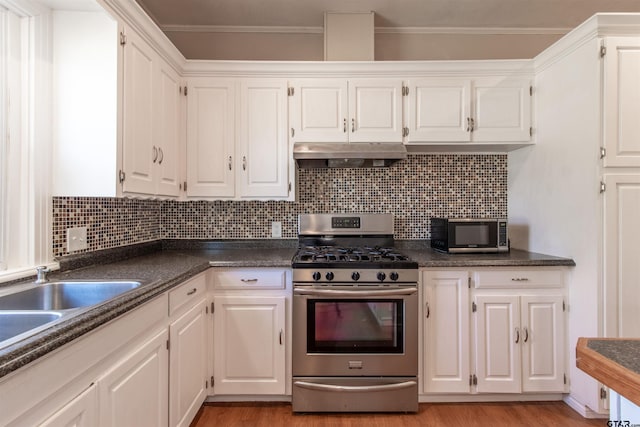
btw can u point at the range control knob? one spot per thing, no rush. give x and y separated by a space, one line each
381 276
355 276
393 276
329 276
316 275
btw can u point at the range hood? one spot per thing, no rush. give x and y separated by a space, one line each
357 155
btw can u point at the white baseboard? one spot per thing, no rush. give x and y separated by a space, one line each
582 409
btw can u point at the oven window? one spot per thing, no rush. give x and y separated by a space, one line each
355 326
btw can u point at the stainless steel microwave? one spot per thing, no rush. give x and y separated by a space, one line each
469 235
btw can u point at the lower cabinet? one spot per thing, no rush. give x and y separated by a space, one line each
134 392
249 349
251 342
82 411
493 331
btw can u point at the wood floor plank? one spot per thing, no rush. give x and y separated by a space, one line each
259 414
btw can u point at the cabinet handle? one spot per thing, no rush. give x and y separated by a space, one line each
526 334
280 337
519 279
248 280
293 132
473 124
155 154
468 124
244 163
428 310
517 335
229 162
192 291
353 125
161 156
344 125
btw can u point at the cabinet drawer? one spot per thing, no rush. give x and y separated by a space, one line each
190 291
519 278
250 278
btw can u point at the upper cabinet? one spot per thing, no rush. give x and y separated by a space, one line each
487 110
151 120
237 144
621 101
341 110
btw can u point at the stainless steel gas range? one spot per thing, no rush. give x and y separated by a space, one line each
355 317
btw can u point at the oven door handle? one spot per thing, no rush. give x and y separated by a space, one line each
355 389
341 293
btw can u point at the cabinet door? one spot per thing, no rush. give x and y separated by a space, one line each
187 365
446 332
501 110
80 412
210 138
542 339
135 391
439 110
318 110
375 110
262 146
621 272
249 346
168 130
138 146
622 101
498 339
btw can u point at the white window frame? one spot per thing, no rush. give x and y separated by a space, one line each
29 237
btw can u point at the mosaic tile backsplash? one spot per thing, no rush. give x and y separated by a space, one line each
412 190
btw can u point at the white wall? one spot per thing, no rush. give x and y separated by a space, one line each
554 201
84 103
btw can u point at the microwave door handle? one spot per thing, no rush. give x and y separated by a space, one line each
347 388
340 293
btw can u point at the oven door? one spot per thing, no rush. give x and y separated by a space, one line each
355 331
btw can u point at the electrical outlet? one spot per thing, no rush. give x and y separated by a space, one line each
76 239
276 229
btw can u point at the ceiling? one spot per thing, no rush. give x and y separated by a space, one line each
545 15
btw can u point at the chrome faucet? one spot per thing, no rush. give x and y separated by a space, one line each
41 273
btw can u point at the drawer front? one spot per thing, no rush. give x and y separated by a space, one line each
250 278
191 291
519 278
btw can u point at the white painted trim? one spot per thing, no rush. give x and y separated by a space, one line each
582 409
24 272
360 69
176 28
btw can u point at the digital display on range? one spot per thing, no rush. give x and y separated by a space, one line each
345 222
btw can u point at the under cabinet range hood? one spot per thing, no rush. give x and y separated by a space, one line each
357 155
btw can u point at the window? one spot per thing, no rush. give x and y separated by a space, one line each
24 138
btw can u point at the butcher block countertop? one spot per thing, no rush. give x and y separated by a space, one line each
615 362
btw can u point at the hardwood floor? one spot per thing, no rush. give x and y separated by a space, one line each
258 414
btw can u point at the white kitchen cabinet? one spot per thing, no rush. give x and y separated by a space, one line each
135 391
237 144
151 107
249 345
519 343
341 110
621 101
188 379
82 411
446 340
463 110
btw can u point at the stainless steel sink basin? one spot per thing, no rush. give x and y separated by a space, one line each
14 323
65 295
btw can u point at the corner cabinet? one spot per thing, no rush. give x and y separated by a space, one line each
251 345
341 110
152 108
237 142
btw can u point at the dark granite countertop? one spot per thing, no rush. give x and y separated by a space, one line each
161 265
615 362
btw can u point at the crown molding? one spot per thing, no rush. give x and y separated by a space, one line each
378 30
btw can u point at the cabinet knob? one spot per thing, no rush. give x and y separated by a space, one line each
229 162
244 163
155 154
353 125
161 156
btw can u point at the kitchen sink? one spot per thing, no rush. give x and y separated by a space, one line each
14 323
65 295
